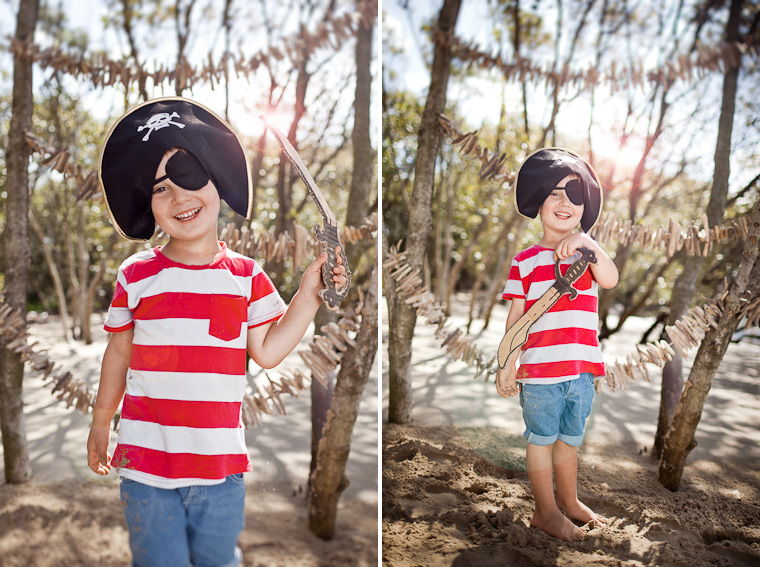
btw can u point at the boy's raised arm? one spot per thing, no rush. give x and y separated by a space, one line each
113 381
269 344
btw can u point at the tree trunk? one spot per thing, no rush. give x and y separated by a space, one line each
358 205
16 269
683 291
94 285
443 225
679 440
83 267
607 297
328 481
503 248
456 269
672 372
524 84
363 155
284 172
402 317
320 395
182 19
55 274
501 272
71 264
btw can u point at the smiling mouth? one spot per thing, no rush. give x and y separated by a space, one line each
562 215
189 215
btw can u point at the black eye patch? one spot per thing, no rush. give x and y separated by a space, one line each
574 191
184 170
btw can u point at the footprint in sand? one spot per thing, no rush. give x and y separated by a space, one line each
436 498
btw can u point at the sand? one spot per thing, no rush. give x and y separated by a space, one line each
455 491
69 517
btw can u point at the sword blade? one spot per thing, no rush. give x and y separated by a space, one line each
517 334
292 154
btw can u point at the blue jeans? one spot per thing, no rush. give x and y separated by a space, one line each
193 526
557 411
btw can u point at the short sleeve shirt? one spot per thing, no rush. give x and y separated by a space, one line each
181 417
563 343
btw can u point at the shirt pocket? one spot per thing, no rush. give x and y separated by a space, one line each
228 313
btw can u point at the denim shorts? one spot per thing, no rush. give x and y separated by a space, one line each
557 411
182 527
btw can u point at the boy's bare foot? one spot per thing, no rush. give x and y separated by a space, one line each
579 511
557 525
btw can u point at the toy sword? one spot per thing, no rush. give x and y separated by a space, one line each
327 234
517 334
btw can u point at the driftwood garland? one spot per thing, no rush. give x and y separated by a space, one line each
103 71
467 144
412 289
694 240
323 356
14 335
59 160
684 67
298 245
685 334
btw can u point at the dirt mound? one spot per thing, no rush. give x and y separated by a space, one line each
448 501
81 524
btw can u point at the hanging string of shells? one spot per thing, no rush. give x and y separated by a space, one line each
684 335
322 357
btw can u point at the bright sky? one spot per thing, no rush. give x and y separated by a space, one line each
244 96
479 97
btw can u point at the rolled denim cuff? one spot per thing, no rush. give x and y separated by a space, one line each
572 440
540 440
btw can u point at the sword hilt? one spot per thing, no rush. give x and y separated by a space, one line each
330 296
564 284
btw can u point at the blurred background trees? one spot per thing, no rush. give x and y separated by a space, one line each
644 91
307 66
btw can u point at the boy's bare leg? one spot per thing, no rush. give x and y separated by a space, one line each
565 460
547 516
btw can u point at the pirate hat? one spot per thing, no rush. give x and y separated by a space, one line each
137 142
539 174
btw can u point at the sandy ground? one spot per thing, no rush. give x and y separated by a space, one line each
455 491
69 517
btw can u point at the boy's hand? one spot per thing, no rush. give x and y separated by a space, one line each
570 244
311 282
98 457
506 385
605 272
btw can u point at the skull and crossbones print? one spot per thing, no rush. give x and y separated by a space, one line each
158 121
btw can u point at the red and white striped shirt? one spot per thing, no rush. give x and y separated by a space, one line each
181 417
563 343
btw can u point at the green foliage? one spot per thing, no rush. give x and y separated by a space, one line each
61 121
463 204
401 120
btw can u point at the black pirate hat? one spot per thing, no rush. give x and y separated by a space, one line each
138 141
539 174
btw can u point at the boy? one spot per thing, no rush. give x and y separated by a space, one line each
561 358
183 317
